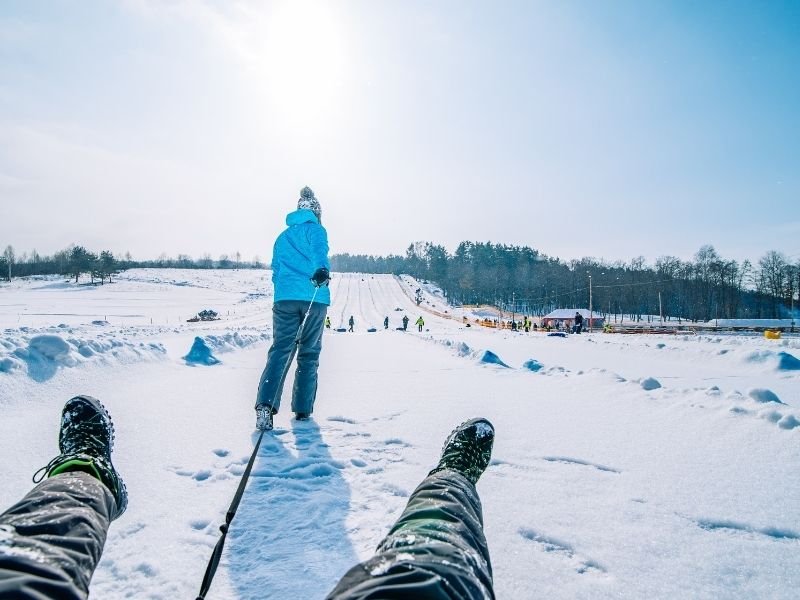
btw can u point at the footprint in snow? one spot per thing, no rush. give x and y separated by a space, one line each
565 551
199 524
580 462
340 419
776 533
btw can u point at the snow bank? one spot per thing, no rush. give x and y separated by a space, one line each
40 355
235 340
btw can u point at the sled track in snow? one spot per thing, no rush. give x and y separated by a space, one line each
346 302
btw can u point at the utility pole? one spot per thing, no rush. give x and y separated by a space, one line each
660 311
590 304
513 307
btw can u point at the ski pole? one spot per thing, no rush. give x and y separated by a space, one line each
213 562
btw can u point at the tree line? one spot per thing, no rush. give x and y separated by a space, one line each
523 280
517 278
76 261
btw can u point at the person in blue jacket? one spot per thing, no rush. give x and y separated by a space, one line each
300 269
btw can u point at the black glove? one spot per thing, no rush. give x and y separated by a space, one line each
321 277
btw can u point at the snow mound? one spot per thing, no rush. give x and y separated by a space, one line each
51 347
650 383
490 358
200 354
764 395
462 349
234 340
788 422
8 364
532 365
788 362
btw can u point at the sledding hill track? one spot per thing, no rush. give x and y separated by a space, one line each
371 298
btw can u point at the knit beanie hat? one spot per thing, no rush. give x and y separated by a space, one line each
309 201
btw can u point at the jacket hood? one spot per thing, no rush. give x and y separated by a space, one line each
301 215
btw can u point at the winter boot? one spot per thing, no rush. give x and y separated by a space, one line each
468 449
85 441
302 416
264 416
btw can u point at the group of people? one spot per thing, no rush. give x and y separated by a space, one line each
51 540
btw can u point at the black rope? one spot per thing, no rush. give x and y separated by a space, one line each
213 562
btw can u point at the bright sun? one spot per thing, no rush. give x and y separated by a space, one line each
301 58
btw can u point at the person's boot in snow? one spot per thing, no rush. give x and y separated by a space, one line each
85 442
468 449
302 416
264 416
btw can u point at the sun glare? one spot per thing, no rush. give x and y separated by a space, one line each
301 60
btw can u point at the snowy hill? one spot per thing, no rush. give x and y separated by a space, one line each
624 466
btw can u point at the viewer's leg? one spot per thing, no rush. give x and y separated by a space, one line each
286 318
305 379
51 541
437 549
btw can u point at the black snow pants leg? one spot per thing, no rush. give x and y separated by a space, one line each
436 551
287 315
52 539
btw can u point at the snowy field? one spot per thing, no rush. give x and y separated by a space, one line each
624 466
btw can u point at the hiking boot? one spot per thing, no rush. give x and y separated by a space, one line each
85 441
301 416
264 416
468 449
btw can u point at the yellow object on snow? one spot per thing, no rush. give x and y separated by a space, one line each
772 335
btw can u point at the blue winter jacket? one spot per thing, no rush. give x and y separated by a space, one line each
298 252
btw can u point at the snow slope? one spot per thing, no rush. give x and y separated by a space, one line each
602 485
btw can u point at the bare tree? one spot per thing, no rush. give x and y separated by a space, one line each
8 254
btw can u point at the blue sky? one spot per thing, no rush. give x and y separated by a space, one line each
606 129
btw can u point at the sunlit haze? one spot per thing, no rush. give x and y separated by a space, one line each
605 129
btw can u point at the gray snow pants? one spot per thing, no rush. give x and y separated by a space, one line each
435 551
52 539
286 318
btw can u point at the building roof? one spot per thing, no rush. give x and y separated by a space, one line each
569 313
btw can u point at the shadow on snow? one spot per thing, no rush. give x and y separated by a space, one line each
291 539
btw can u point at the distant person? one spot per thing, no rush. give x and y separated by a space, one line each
578 323
300 274
386 322
405 322
53 538
327 322
351 322
420 323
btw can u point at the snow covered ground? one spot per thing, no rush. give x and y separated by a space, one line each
624 466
